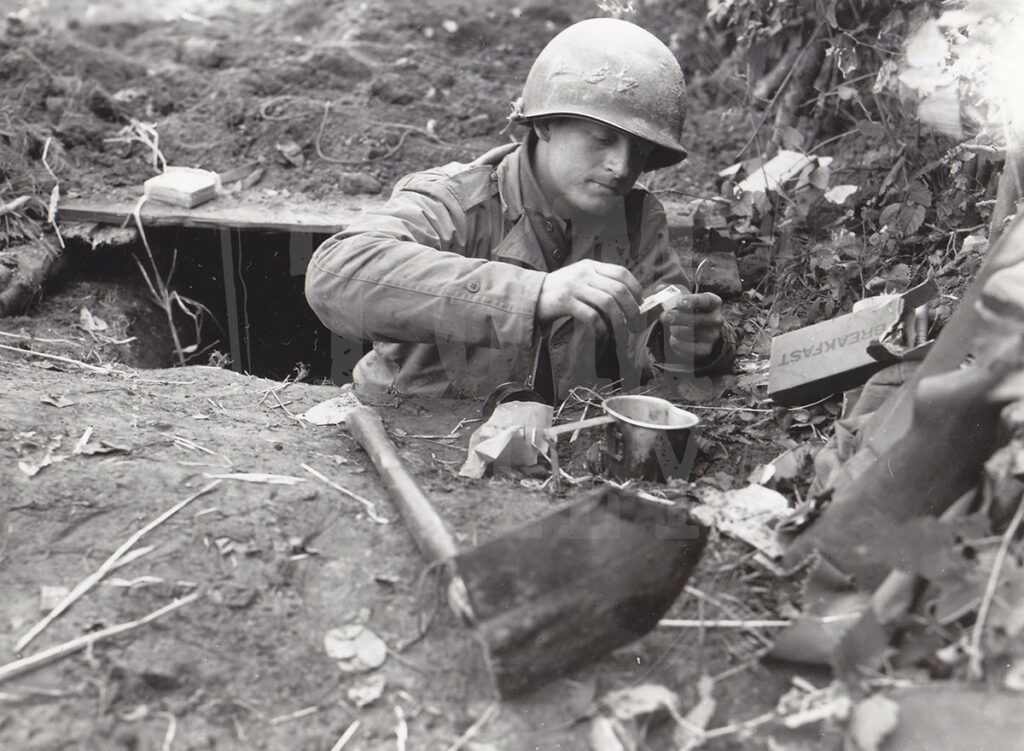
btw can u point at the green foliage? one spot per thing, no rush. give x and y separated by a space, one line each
888 194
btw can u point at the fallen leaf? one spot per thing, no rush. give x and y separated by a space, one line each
872 720
636 701
291 152
333 411
608 734
355 648
747 514
89 322
838 194
368 691
60 401
91 448
32 467
799 707
689 735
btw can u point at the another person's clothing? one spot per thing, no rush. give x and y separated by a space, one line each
418 278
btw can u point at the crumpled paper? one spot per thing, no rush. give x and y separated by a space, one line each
333 411
749 514
512 437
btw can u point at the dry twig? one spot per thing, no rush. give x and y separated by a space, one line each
172 730
164 297
26 664
975 655
60 358
371 508
723 623
473 729
51 209
296 715
108 565
346 736
357 162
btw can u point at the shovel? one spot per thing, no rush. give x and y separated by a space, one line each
558 592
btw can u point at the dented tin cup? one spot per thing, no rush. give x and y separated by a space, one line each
650 439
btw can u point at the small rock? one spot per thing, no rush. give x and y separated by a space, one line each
394 89
291 152
335 63
101 104
754 266
355 648
367 692
720 274
202 53
354 183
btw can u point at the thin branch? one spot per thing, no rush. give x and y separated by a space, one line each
371 508
974 666
354 162
346 736
473 729
26 664
108 565
724 623
60 358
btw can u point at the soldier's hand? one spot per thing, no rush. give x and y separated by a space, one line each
597 294
693 327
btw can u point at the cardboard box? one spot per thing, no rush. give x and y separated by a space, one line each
183 186
835 355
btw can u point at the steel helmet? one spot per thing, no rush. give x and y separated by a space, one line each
616 73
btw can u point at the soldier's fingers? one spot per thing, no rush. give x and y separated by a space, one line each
609 307
622 275
622 297
589 316
702 302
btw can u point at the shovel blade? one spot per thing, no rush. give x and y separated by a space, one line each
569 588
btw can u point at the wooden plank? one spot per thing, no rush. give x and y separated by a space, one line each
246 213
273 214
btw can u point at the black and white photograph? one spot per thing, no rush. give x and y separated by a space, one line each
463 375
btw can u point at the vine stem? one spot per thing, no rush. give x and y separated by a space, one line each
974 666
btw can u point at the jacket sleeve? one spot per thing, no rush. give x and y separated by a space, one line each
403 274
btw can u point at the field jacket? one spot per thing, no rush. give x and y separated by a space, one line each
445 278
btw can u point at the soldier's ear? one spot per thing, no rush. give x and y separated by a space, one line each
542 128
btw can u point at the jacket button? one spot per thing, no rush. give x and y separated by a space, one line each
473 285
549 225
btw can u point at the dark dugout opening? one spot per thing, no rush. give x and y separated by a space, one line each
251 282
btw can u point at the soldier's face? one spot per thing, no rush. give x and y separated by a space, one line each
585 167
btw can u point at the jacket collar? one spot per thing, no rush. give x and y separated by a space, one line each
538 237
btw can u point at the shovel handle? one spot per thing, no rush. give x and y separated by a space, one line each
426 526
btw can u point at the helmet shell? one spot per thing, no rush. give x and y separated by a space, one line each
616 73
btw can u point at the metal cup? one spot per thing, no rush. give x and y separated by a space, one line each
651 439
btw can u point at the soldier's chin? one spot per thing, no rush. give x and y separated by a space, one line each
597 204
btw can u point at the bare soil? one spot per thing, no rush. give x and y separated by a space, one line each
411 84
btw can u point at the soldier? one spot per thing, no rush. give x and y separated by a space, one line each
530 262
